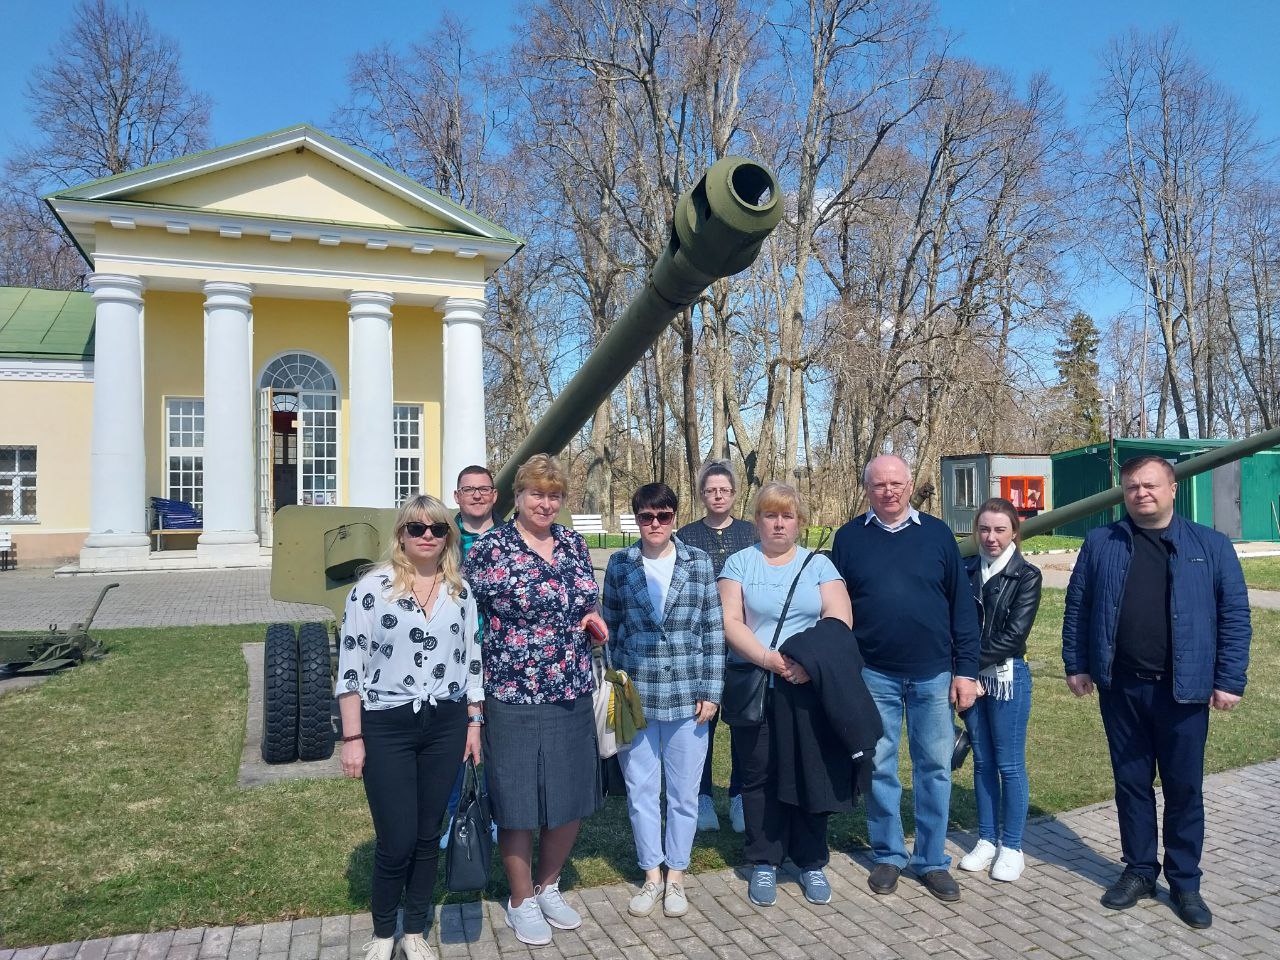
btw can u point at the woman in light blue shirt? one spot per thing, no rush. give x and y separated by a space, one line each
753 591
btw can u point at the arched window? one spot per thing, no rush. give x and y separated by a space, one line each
298 371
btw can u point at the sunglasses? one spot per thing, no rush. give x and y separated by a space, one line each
416 528
646 517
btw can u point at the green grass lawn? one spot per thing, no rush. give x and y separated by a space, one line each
1262 573
122 813
1046 542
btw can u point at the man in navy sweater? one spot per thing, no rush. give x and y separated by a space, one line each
917 626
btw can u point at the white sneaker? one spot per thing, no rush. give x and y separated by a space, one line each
415 947
379 948
642 903
558 913
736 819
979 858
707 819
1008 866
674 902
528 923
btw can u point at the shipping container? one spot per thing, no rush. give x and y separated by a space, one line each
1024 479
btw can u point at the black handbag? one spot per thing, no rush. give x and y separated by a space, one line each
745 684
466 864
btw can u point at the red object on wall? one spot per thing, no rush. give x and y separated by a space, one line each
1025 493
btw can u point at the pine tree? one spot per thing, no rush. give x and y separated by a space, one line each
1077 363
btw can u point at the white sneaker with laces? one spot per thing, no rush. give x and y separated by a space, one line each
1008 866
736 818
558 913
415 947
707 819
642 903
379 948
528 923
979 858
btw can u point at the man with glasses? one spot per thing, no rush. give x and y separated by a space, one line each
476 496
917 626
720 535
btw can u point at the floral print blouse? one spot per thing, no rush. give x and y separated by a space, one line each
393 652
533 650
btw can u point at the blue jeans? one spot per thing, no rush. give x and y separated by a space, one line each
673 750
930 736
998 731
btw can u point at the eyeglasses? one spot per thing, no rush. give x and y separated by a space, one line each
718 492
663 517
895 487
473 491
416 529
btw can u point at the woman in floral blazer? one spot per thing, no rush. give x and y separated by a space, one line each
666 632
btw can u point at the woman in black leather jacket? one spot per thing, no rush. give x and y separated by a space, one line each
1007 590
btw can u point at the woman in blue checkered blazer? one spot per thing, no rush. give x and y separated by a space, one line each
667 633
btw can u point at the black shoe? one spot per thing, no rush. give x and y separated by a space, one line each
1128 890
884 878
942 885
1191 909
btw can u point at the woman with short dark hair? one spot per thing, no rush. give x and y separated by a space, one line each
1007 590
666 632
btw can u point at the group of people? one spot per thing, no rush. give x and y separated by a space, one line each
474 641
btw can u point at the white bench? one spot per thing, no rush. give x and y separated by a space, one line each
590 524
8 557
627 521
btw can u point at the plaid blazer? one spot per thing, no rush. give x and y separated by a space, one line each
675 658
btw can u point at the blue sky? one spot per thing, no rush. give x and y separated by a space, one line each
271 63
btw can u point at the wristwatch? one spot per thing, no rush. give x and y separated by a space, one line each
476 720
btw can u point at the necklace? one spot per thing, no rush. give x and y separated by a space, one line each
426 607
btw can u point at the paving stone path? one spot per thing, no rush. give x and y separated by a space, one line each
1052 912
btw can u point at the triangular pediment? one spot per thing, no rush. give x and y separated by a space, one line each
293 174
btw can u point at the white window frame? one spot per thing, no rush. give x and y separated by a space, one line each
969 486
190 447
19 481
406 437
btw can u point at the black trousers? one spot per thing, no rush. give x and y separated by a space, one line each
775 830
735 786
410 759
1147 730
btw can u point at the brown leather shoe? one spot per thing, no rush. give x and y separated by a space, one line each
942 885
884 878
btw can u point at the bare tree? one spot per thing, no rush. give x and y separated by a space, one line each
112 98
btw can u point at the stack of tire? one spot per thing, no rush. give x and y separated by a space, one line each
297 694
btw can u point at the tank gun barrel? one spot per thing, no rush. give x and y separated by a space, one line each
716 232
1228 453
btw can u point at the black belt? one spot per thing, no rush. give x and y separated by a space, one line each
1148 675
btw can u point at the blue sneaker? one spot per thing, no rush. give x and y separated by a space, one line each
763 888
816 888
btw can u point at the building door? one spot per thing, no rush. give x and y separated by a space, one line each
1227 517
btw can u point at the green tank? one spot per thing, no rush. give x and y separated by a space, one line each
1050 520
716 232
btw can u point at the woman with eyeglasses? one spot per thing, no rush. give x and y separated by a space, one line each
410 694
754 585
666 632
537 595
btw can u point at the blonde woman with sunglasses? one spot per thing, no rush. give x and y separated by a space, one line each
411 696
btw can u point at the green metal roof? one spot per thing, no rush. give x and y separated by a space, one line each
45 324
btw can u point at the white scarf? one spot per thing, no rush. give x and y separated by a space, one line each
997 679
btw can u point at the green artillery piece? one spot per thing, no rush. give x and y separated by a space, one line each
718 228
25 654
1052 519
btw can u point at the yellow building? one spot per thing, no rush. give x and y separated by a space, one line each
282 320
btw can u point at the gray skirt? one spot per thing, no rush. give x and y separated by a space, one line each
542 762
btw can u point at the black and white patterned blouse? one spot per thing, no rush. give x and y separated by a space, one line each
393 652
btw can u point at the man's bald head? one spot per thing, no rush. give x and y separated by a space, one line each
886 461
887 480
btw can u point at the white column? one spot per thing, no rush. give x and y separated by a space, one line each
229 536
370 444
463 415
118 535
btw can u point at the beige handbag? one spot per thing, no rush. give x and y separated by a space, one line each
606 739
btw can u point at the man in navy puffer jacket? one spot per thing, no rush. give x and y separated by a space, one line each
1158 618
